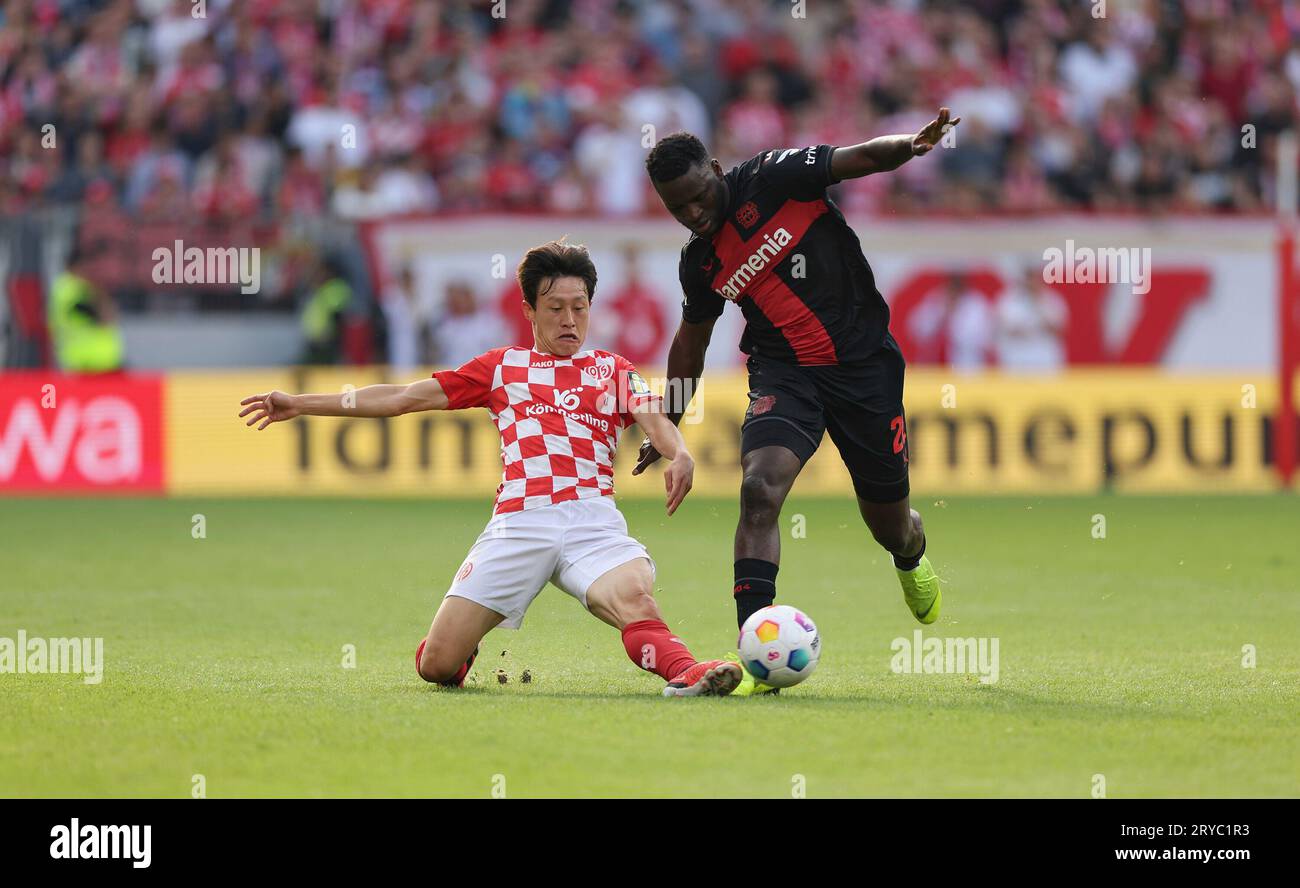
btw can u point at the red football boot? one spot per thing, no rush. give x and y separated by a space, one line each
712 678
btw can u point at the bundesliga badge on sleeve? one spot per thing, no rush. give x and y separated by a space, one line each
636 384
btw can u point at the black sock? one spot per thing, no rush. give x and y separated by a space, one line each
911 561
755 587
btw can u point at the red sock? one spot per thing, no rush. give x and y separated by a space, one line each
652 647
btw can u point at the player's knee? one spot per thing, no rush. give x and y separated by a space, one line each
760 499
437 665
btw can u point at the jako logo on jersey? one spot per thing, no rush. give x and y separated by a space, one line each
747 215
771 248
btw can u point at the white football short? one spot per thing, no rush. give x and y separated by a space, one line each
570 544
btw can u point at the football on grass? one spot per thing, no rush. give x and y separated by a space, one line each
780 645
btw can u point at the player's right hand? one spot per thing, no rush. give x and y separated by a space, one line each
645 456
268 408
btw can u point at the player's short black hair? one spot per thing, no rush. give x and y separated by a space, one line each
673 155
551 261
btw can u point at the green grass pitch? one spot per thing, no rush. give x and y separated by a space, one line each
1119 656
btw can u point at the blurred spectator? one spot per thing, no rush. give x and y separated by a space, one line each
1094 68
302 192
979 162
517 328
329 129
611 157
356 197
370 108
88 168
222 190
698 72
160 160
406 188
464 331
637 315
404 322
969 329
666 105
375 191
1030 320
83 320
322 316
755 121
956 328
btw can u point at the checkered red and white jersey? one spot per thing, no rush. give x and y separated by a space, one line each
559 419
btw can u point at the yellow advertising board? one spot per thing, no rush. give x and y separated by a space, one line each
1081 431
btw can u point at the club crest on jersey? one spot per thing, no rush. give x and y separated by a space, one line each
762 404
766 253
747 215
601 371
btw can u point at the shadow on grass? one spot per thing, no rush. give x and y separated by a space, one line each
992 700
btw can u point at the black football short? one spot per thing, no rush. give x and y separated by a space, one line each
860 405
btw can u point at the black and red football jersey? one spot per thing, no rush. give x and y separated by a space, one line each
786 256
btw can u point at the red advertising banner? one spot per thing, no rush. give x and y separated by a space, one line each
75 434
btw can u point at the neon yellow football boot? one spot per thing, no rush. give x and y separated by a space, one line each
921 591
749 686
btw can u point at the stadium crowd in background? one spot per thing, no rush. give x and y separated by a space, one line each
240 112
287 114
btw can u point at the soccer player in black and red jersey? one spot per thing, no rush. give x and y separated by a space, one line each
766 236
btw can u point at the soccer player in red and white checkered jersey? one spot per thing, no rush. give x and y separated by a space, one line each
559 410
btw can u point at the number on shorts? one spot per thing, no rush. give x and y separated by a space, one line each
899 428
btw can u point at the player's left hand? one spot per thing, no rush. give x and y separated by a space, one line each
678 478
932 132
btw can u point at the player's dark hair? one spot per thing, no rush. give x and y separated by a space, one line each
673 155
550 262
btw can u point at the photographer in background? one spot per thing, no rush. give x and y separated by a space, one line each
322 316
83 319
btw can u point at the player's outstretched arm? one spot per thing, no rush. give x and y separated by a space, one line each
370 400
685 367
663 434
885 153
